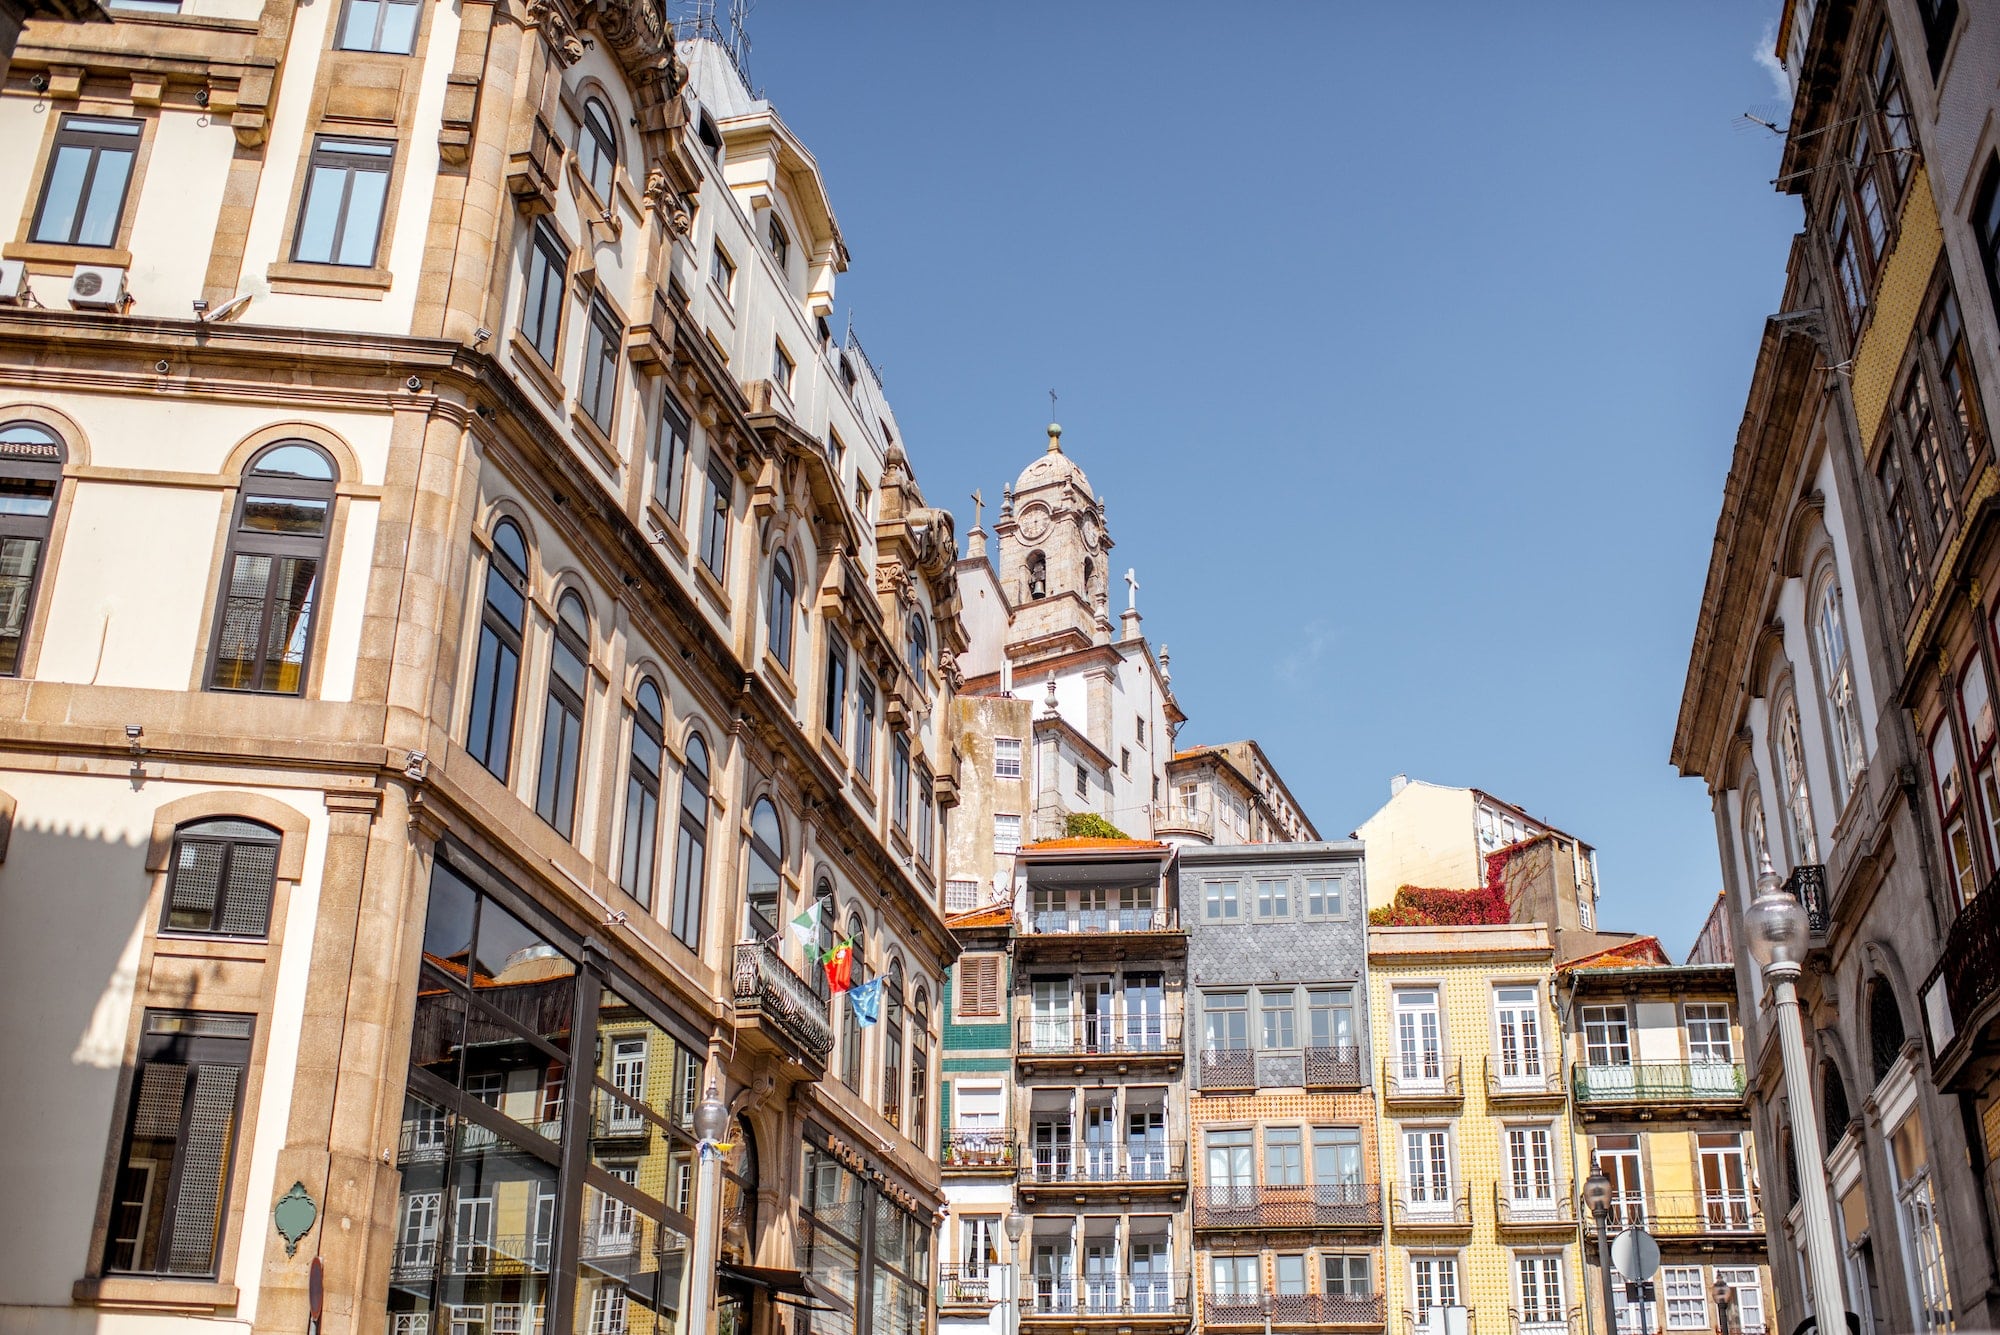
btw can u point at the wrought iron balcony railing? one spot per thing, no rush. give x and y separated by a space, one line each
1807 884
1528 1076
1425 1214
1660 1082
1315 1205
1104 1165
971 1284
1155 1295
1280 1068
972 1150
1097 922
1544 1206
766 988
1293 1309
1970 960
1687 1214
1098 1036
1424 1077
1546 1323
1170 818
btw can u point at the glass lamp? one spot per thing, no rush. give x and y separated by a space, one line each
1016 1224
1597 1192
711 1116
1721 1293
1775 923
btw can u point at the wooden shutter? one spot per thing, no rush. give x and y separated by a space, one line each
979 985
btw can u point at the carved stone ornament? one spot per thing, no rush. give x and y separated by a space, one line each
892 578
556 30
661 198
636 32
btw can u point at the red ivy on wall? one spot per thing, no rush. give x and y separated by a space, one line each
1429 906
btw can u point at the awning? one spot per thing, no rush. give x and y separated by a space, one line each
793 1287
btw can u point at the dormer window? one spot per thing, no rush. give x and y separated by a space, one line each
781 245
597 149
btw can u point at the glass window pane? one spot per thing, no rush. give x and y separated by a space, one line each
107 198
324 188
63 194
364 217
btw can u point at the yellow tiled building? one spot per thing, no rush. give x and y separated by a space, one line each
1474 1132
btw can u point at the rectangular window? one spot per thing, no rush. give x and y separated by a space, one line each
347 187
1607 1039
1274 897
1686 1297
1902 520
899 785
670 456
83 194
1125 762
926 814
1419 1037
387 26
715 521
1433 1283
1517 1016
836 689
542 295
978 993
1345 1274
1006 757
1708 1032
1427 1164
1749 1296
864 728
1538 1284
1330 1017
172 1188
1280 1016
782 367
722 272
1006 833
1531 1173
1222 900
1336 1160
1082 782
600 364
1284 1157
1324 898
1235 1276
1226 1020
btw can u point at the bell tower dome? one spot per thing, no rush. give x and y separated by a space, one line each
1054 550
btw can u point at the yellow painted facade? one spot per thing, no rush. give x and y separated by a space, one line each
1497 1126
1899 296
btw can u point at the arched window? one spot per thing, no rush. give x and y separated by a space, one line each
765 888
1885 1028
1843 707
850 1024
691 850
1976 709
829 926
1950 794
920 1069
277 545
892 1044
597 149
1038 575
1833 1104
920 645
496 673
1792 772
782 607
562 716
222 878
31 464
642 794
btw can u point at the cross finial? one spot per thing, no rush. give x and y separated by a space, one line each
1052 403
1131 590
978 507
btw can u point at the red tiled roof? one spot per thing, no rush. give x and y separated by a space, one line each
1638 953
1098 845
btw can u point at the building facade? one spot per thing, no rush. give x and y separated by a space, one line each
461 603
1654 1053
1287 1217
1436 836
1837 694
1229 794
1475 1140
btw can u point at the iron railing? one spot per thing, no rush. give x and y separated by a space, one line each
1970 961
1176 818
1096 922
1161 1295
1556 1209
972 1150
1566 1324
1098 1036
1424 1077
1660 1082
1539 1078
1280 1068
1314 1205
1414 1216
1104 1165
766 986
1293 1309
970 1283
1807 884
1686 1214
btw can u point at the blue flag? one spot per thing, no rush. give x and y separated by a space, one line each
866 998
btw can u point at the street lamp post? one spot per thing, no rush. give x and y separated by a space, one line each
1016 1224
1597 1199
1776 926
711 1122
1721 1294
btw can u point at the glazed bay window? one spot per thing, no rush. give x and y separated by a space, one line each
221 878
599 393
562 717
170 1197
31 464
270 594
542 294
347 187
715 518
83 193
387 26
496 671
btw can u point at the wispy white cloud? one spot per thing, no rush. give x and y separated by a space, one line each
1313 641
1765 54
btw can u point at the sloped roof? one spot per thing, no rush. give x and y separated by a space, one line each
1639 953
1095 845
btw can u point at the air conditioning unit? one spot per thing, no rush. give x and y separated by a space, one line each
97 287
13 282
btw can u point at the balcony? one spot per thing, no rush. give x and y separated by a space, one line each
1703 1216
1115 1170
1120 1299
971 1284
1652 1083
1173 818
1319 1205
1807 884
1294 1309
1552 1212
501 1256
777 1012
1224 1069
1969 968
1099 922
423 1140
1408 1216
1427 1080
1098 1040
1537 1080
1567 1324
977 1151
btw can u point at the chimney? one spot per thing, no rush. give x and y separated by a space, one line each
1398 784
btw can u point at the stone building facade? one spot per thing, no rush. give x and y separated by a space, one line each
1837 698
460 603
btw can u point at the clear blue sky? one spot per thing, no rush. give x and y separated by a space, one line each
1407 342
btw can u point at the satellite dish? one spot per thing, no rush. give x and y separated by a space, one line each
1635 1254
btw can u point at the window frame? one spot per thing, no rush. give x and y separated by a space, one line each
783 369
691 845
1003 748
541 320
716 516
673 445
779 242
507 636
781 607
597 148
277 548
833 702
382 8
559 777
96 143
335 152
42 456
864 728
231 833
722 273
639 857
603 339
1002 846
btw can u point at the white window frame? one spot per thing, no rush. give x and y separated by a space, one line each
1006 832
1685 1296
1007 758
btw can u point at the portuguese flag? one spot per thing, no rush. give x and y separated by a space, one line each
839 964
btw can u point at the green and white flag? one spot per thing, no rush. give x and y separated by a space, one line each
806 928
